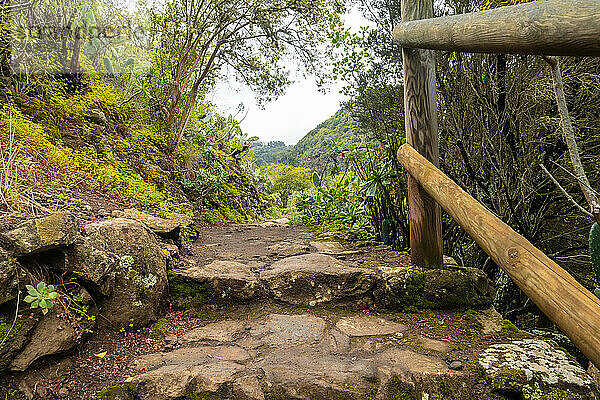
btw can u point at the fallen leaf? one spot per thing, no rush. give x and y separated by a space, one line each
101 355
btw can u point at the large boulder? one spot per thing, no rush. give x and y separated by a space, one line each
406 288
534 369
168 228
463 287
41 234
120 260
312 279
11 276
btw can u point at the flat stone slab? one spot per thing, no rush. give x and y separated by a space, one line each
223 331
368 326
491 321
227 279
282 330
311 279
160 226
288 249
525 365
328 247
433 344
41 234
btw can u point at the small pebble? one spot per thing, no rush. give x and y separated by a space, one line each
456 366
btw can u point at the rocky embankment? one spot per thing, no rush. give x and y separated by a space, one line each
295 316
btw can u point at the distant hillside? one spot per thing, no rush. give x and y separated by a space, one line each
321 149
265 153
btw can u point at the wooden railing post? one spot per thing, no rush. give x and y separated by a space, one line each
421 127
567 303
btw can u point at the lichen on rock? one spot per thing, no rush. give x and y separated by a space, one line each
536 370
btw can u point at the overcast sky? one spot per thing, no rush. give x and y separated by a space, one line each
291 116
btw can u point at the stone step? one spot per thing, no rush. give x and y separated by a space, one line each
316 278
357 356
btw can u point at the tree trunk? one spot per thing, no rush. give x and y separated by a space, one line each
420 109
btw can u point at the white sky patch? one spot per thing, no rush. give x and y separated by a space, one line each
292 115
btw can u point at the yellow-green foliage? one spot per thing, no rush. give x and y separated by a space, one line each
160 328
286 179
124 165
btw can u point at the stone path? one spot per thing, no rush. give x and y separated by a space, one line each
300 350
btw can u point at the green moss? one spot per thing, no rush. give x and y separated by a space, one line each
407 291
508 379
189 294
510 329
202 315
470 325
6 331
557 394
122 391
160 328
398 390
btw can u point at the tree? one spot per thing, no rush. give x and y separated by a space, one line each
194 41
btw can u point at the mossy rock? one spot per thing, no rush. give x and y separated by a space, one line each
398 390
187 294
16 340
122 391
410 289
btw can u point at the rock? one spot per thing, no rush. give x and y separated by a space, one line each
193 372
316 278
248 388
11 277
331 248
468 287
122 261
41 234
96 115
53 335
288 249
282 221
282 331
450 262
432 344
532 366
16 338
306 373
171 251
456 366
224 331
368 326
276 223
219 281
163 227
491 321
405 287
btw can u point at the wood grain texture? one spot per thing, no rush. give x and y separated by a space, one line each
421 128
569 305
554 27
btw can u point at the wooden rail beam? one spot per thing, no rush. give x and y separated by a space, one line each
573 309
554 27
421 126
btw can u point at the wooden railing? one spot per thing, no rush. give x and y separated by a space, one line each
554 27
